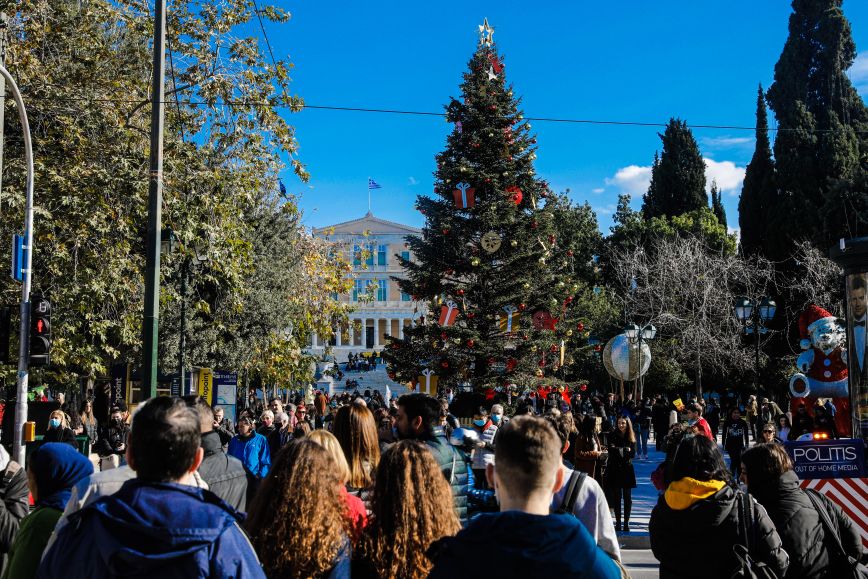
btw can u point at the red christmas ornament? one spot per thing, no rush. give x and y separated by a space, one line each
553 348
522 307
443 336
470 315
583 387
470 343
444 364
511 364
552 239
391 375
491 361
445 232
493 107
580 327
534 224
515 194
460 292
598 347
475 145
570 253
569 300
488 180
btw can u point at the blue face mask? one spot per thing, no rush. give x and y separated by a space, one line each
54 422
495 418
479 422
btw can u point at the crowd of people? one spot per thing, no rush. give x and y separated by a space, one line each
359 485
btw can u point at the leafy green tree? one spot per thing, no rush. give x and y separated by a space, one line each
717 204
513 245
677 175
756 206
84 68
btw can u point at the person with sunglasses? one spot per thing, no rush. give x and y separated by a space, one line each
768 434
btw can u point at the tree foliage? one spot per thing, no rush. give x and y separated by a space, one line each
758 202
84 69
677 175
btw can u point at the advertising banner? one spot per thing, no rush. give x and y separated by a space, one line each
225 392
206 384
825 459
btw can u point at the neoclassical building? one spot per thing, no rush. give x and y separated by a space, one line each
381 308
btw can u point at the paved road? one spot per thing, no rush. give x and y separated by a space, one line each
635 545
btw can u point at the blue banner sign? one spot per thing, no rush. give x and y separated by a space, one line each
17 257
818 459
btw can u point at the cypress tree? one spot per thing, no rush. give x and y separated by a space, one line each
677 176
758 193
717 204
822 123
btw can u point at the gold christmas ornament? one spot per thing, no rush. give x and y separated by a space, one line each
474 262
490 241
486 33
569 332
514 243
542 260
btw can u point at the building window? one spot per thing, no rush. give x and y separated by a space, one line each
405 255
359 289
382 290
369 259
357 255
381 254
405 297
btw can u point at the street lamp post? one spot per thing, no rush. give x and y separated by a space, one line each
639 336
753 316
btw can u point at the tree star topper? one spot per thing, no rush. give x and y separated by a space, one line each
486 33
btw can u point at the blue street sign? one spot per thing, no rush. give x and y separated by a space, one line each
17 257
843 458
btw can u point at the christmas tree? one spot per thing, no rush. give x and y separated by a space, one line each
499 286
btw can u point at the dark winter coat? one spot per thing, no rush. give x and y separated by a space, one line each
695 525
453 463
60 434
162 530
517 544
13 506
224 474
620 473
801 529
111 438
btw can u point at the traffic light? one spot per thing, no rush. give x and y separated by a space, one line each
40 331
5 331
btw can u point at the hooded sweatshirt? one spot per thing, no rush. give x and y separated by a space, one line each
150 529
518 544
695 525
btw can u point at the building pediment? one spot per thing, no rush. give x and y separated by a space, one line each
368 223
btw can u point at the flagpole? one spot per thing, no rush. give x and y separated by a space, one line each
369 194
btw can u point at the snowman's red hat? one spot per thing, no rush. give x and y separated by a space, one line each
809 320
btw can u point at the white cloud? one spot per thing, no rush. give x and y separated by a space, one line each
606 210
412 181
598 190
728 175
726 142
858 73
632 179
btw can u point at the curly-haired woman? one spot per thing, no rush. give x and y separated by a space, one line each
297 521
412 508
356 430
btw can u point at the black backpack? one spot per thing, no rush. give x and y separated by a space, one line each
577 479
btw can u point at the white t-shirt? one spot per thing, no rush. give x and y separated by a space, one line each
592 510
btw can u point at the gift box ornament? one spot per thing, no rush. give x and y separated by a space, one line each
448 313
465 196
509 319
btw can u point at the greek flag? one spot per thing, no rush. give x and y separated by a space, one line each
373 184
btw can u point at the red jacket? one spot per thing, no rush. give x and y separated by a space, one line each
703 428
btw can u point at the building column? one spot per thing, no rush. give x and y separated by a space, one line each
338 336
352 332
376 332
400 328
313 340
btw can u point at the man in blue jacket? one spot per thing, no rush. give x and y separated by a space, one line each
156 525
523 540
251 448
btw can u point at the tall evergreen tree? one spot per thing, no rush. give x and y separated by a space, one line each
758 193
717 204
822 127
677 176
490 245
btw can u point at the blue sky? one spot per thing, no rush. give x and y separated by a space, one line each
622 61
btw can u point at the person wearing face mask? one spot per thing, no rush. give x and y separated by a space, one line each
483 454
59 430
112 444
